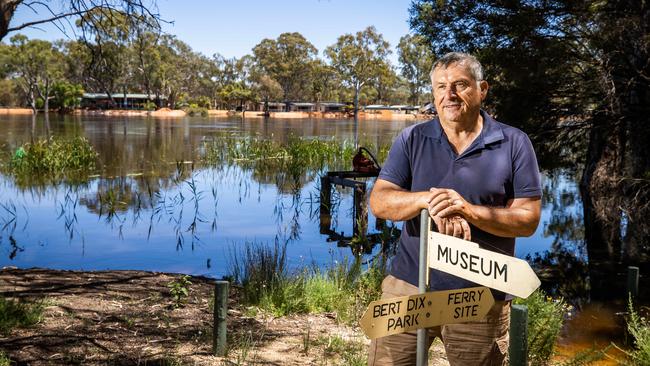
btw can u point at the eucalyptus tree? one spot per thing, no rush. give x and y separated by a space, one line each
574 74
358 59
288 60
108 63
36 65
324 83
416 59
49 11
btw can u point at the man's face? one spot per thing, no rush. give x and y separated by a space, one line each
456 94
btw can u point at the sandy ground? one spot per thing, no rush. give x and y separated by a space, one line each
128 318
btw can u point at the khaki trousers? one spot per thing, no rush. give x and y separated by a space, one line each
481 343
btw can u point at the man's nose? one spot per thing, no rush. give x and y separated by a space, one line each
450 92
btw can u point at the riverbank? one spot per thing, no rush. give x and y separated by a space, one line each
129 317
15 111
177 113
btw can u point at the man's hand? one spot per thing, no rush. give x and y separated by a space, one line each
447 203
455 226
519 217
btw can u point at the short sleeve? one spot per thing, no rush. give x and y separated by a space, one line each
526 176
397 167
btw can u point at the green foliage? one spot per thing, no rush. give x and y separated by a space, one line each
545 319
639 329
66 95
352 353
150 106
179 289
416 59
359 59
289 61
4 359
343 287
17 313
263 154
195 110
53 157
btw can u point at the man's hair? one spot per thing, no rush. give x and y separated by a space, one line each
468 60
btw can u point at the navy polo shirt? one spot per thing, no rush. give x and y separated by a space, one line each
499 165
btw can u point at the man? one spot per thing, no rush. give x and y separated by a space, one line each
478 178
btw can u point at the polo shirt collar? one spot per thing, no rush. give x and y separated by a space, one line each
491 132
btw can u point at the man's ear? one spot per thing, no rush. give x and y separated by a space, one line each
484 88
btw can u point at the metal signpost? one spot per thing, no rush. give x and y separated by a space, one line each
458 257
406 313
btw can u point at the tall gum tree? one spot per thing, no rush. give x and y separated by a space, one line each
288 60
416 59
576 77
358 59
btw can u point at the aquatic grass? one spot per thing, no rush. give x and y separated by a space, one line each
344 287
54 155
545 319
52 160
18 313
297 154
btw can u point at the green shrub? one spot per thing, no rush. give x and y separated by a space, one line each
16 313
545 320
195 110
179 289
4 360
639 329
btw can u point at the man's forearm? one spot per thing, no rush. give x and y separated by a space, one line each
397 205
506 222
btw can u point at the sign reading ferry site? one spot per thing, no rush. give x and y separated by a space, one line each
484 267
402 314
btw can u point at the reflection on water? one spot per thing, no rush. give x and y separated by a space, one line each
153 204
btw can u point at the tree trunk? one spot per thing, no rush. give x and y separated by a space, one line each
600 193
357 89
7 9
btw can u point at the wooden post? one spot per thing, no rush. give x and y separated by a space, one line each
519 335
219 343
325 204
632 281
360 224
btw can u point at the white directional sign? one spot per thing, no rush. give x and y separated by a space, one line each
402 314
466 260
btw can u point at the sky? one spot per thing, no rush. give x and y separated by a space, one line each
233 28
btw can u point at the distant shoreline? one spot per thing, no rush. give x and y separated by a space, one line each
176 113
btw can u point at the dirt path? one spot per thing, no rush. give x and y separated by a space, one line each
129 318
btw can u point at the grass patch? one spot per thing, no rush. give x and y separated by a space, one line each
16 313
298 155
545 319
51 160
352 353
345 287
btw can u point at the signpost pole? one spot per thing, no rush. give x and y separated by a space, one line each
422 342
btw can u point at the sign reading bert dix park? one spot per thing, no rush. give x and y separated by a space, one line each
402 314
484 267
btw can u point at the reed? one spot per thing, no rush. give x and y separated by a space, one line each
343 287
